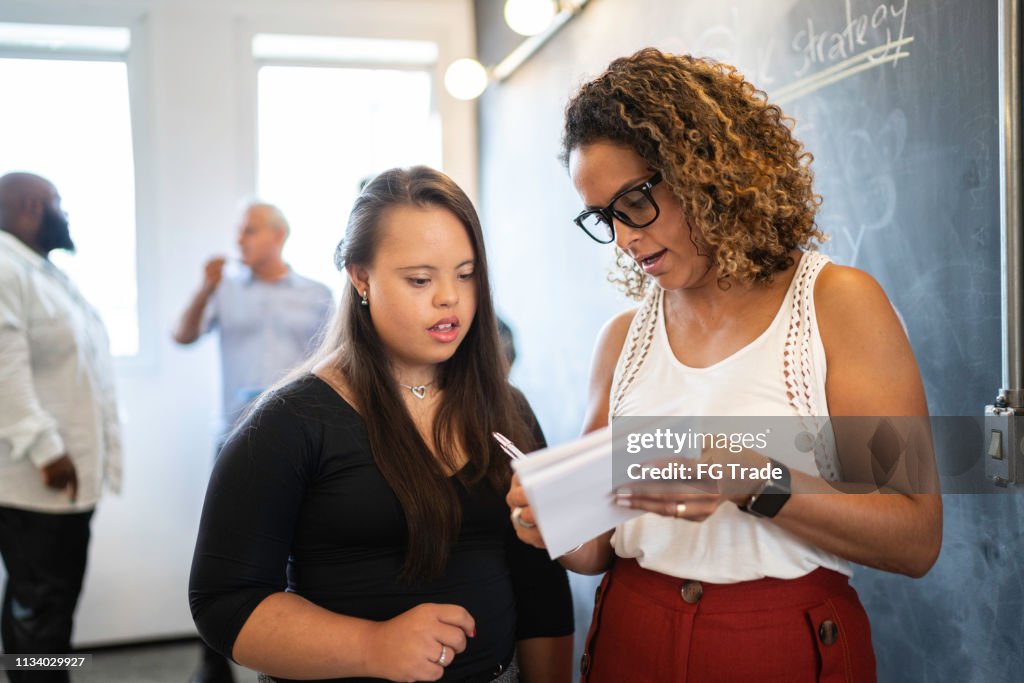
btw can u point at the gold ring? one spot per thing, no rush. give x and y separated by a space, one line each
680 509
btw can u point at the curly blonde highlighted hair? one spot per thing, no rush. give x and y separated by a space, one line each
728 155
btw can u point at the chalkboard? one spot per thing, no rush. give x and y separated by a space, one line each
905 135
898 103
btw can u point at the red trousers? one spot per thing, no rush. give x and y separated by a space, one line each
649 627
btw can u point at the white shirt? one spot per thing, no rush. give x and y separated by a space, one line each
56 385
731 545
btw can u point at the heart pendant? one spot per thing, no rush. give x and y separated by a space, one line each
419 392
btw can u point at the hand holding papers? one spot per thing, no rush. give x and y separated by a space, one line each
569 488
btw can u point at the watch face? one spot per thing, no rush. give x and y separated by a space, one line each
773 494
768 504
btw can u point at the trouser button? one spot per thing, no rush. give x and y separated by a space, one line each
828 632
692 592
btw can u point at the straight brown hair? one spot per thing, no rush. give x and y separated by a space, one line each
476 396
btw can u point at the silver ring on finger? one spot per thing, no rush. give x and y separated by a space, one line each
443 658
680 510
517 519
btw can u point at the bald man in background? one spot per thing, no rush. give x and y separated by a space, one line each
60 438
268 317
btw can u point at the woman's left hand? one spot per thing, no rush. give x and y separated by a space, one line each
695 507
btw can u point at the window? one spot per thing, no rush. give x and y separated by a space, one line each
329 117
71 125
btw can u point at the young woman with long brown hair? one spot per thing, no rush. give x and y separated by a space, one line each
354 527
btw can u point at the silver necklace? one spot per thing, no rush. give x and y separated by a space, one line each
419 390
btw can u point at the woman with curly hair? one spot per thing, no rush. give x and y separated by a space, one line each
700 184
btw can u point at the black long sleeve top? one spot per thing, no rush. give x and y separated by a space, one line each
296 503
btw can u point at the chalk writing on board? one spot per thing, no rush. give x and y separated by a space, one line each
867 40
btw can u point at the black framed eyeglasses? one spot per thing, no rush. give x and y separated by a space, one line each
634 206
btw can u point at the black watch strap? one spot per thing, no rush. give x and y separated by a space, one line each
774 493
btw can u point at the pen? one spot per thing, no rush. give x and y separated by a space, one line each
507 446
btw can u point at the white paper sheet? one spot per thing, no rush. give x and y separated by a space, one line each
569 488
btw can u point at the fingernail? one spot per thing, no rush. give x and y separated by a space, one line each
473 634
623 502
624 491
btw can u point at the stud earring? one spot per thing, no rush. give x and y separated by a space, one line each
365 301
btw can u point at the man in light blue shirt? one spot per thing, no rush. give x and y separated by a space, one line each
269 319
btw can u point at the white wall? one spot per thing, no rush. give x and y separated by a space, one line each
193 100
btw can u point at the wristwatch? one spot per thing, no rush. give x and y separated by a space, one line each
772 495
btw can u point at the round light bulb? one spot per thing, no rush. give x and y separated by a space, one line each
529 17
465 79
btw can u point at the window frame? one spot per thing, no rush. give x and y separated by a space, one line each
249 142
136 66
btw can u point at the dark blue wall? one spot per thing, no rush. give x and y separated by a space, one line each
907 161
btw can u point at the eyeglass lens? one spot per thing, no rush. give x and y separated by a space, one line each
633 208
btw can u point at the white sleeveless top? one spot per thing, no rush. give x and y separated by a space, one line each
780 373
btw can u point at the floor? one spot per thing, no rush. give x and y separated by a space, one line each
160 663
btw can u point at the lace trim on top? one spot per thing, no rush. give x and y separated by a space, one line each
797 357
638 345
798 367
